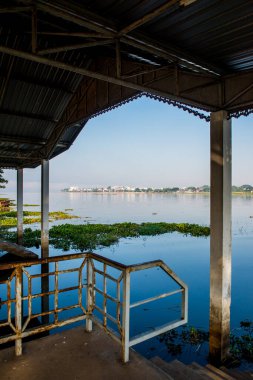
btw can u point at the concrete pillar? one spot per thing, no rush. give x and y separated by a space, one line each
220 245
45 237
44 208
20 206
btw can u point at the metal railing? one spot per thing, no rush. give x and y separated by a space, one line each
86 267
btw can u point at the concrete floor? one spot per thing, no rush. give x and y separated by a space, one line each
74 355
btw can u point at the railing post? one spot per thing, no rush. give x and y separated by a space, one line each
18 311
89 295
184 315
126 316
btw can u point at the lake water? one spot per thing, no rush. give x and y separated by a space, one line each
187 256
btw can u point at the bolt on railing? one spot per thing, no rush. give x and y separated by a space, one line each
51 312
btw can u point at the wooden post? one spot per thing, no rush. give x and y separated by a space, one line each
220 245
20 206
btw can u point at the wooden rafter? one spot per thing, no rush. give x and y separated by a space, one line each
95 75
148 17
59 49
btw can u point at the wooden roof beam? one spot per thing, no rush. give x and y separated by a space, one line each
15 9
82 17
59 49
148 17
72 34
76 18
99 76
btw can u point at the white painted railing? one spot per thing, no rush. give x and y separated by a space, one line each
90 265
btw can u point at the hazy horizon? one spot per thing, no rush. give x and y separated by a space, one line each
143 143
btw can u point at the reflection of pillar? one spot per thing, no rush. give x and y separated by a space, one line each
220 260
20 206
45 236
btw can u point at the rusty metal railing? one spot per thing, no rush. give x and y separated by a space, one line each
21 291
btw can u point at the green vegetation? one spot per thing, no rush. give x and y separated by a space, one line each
28 205
241 345
9 218
91 236
187 337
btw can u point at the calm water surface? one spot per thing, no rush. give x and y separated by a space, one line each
187 256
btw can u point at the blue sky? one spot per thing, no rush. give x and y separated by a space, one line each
143 143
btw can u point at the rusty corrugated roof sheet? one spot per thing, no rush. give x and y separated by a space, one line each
207 37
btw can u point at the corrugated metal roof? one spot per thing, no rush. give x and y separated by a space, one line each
34 96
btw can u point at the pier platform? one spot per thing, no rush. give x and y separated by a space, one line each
74 355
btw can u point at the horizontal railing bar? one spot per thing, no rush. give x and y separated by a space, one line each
157 331
72 288
41 329
114 320
54 273
52 292
4 324
8 338
147 300
7 301
107 261
105 275
45 260
145 265
115 264
53 325
60 310
106 295
41 275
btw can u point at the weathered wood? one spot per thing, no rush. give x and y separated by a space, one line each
148 17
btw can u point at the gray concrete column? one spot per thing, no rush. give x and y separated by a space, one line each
45 237
20 206
220 243
44 208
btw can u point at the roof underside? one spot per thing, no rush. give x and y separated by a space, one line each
63 62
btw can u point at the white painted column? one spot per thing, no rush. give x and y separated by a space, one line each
45 237
220 245
20 206
44 208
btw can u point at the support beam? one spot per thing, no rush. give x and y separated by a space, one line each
65 48
102 77
44 208
148 17
220 260
20 206
83 17
34 30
